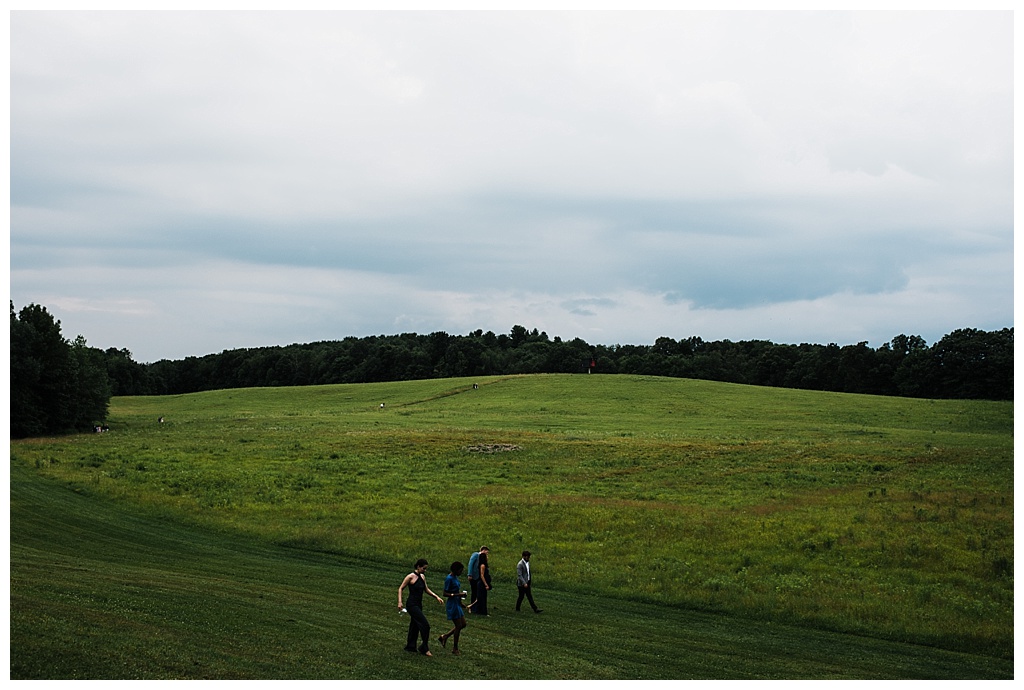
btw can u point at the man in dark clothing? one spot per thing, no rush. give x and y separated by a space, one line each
523 581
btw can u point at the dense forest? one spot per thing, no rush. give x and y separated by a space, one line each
967 363
60 385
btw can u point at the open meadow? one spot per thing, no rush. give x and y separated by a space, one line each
680 528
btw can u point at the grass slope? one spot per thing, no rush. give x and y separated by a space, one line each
99 591
889 518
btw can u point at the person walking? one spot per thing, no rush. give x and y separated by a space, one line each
474 577
418 625
483 583
524 583
453 605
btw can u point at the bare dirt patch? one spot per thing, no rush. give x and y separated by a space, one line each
493 448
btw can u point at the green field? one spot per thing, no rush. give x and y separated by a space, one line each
680 529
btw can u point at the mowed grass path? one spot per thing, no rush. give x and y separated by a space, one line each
886 517
99 591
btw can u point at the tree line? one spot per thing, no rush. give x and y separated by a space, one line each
966 363
60 385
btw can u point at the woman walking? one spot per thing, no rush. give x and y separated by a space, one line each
484 586
418 625
453 595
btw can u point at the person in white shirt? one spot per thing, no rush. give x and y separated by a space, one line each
523 581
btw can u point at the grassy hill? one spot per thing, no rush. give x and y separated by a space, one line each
680 529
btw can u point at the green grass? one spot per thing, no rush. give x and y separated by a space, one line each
99 591
729 521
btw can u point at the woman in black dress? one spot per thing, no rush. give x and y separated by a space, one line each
484 578
418 624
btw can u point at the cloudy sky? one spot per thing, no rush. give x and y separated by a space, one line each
186 183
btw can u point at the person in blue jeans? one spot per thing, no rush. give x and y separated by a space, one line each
418 625
453 605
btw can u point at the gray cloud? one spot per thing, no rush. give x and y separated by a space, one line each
608 173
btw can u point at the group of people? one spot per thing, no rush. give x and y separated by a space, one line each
480 584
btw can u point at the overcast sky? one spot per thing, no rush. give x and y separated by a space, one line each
186 183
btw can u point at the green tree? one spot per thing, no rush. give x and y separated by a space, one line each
971 363
56 386
27 415
91 393
127 377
